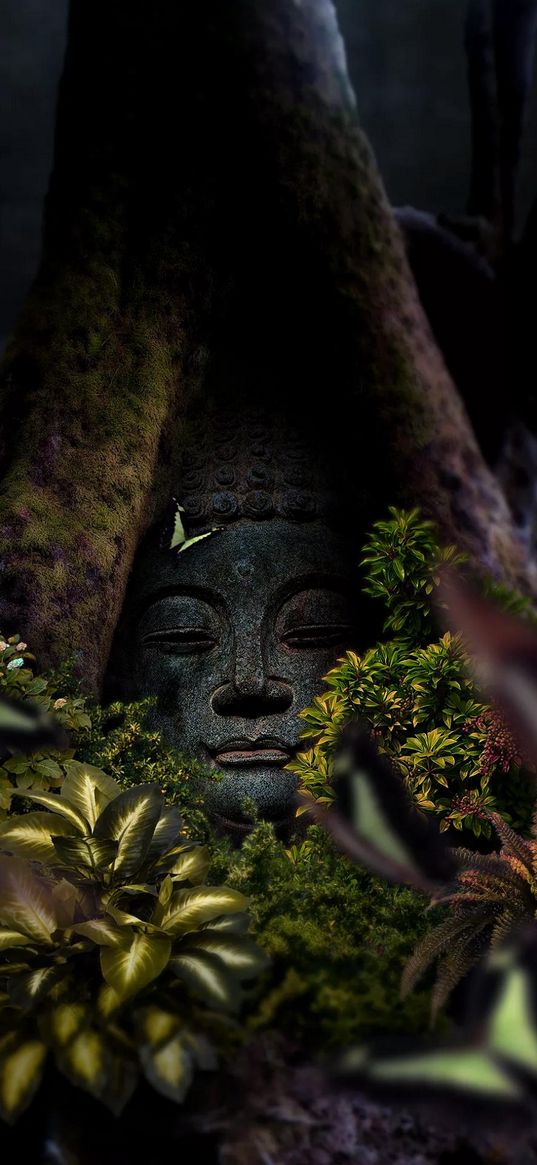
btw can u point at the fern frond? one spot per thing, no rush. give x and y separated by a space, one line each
452 929
456 966
506 923
512 842
520 869
478 896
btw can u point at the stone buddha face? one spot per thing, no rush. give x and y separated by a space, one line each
234 634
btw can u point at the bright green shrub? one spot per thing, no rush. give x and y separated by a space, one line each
416 694
338 939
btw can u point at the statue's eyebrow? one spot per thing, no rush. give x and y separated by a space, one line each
339 583
178 591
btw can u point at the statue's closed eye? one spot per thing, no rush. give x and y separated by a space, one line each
181 640
314 636
315 619
181 625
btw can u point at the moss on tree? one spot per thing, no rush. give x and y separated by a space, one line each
213 206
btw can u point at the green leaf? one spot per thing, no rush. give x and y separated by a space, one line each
131 819
71 902
168 1068
208 979
188 909
26 902
167 832
130 967
11 938
122 1081
155 1026
229 924
26 990
107 1001
101 931
86 1061
59 805
21 1070
65 1022
30 835
240 955
192 865
85 853
88 790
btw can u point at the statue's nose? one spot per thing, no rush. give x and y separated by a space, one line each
250 701
250 692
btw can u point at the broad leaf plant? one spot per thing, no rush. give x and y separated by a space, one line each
115 956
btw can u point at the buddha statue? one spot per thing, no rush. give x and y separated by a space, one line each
234 633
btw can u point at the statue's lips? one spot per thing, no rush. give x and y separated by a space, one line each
247 753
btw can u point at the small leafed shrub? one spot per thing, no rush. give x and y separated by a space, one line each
337 936
44 769
115 957
416 694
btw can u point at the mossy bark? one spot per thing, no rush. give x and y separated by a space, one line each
213 200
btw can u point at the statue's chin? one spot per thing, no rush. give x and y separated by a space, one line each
271 790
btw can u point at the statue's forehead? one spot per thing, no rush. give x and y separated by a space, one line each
249 556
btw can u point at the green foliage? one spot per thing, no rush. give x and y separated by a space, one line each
114 953
121 743
45 768
416 695
316 916
403 557
338 939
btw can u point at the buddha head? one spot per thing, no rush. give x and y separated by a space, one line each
233 633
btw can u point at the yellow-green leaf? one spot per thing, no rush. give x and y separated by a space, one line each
88 790
169 1068
239 954
107 1001
131 820
58 804
167 831
156 1026
89 853
130 967
192 865
12 938
30 835
229 924
101 931
86 1061
208 979
26 902
66 1021
26 990
71 902
21 1069
188 909
122 1080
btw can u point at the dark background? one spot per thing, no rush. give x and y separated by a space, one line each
407 63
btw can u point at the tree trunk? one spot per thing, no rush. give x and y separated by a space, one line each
211 192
